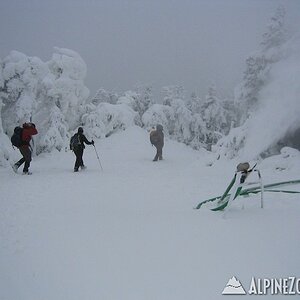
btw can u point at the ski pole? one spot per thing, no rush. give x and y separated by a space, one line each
98 157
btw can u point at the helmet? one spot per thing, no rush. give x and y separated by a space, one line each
80 130
159 127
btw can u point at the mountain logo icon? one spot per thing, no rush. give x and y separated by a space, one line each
233 287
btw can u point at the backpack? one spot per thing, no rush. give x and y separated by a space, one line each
16 138
75 141
154 137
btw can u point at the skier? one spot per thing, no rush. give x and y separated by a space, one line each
28 130
77 145
157 139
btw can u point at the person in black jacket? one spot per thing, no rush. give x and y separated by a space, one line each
77 145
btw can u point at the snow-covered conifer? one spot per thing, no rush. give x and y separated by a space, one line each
214 117
271 118
172 92
144 98
103 95
159 114
129 98
194 103
181 124
65 83
109 118
5 145
198 130
258 65
276 33
21 77
53 131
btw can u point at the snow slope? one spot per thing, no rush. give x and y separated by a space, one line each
130 232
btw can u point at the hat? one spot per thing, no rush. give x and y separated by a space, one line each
159 127
80 130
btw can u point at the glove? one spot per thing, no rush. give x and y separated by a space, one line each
93 142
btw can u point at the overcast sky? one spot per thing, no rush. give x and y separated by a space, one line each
129 42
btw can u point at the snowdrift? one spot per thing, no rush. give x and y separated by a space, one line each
130 232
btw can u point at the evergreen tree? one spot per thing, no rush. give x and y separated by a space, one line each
198 132
21 76
169 93
231 114
214 117
159 114
49 94
194 103
266 79
53 133
93 123
104 96
259 64
5 145
65 84
181 124
144 98
276 33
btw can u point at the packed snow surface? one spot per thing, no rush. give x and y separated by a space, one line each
130 231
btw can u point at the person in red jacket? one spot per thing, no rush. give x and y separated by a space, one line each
28 131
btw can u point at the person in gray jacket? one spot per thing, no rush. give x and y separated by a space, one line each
157 139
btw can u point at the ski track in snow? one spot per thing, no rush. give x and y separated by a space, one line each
130 232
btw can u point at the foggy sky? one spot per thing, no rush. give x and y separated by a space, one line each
161 42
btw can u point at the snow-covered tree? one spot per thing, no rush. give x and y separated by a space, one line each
129 98
214 117
65 84
49 94
175 118
258 65
246 94
105 96
198 132
109 118
230 145
93 123
53 132
21 76
180 126
5 145
231 114
172 92
144 98
276 33
60 97
194 103
159 114
274 122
